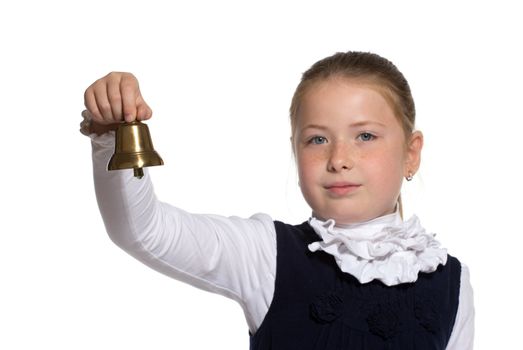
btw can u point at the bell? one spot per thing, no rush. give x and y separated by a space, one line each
133 149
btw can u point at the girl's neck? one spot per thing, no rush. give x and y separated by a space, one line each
393 218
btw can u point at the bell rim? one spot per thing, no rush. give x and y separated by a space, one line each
135 160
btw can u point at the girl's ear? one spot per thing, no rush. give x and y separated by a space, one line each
413 159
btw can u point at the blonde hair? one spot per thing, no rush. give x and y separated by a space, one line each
367 68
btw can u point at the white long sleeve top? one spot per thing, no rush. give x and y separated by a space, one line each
231 256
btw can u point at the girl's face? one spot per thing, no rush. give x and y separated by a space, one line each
351 151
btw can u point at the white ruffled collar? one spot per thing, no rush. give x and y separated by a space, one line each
386 248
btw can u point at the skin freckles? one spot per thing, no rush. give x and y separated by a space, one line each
351 151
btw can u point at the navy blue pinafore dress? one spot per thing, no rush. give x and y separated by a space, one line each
316 306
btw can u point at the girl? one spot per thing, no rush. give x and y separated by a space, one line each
355 275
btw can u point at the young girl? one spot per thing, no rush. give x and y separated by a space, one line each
355 275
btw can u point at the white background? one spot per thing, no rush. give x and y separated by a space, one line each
219 76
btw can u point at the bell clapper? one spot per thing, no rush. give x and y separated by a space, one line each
138 172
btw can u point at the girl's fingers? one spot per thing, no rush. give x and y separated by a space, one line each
114 98
102 102
129 91
90 104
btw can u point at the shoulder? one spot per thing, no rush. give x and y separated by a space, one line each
460 272
303 232
454 265
446 277
259 223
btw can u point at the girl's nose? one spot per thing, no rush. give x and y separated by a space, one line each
341 157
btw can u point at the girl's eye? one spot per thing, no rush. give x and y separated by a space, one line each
318 140
366 136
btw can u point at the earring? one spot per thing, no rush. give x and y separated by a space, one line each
409 177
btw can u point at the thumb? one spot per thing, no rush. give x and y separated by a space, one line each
143 111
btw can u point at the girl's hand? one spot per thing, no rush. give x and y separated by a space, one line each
114 98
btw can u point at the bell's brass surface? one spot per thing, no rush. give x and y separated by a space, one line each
134 149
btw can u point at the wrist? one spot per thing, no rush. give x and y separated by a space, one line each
88 126
100 129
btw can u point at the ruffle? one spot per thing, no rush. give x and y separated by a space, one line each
387 249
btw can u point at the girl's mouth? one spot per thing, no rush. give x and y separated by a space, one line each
342 188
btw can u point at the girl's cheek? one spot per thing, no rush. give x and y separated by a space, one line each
310 156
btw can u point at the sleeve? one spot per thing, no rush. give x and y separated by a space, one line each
231 256
462 337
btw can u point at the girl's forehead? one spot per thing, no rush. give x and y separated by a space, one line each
337 98
344 86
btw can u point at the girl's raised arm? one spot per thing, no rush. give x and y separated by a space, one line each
231 256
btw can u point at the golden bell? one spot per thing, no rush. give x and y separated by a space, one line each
133 149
